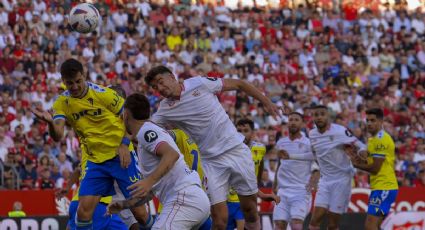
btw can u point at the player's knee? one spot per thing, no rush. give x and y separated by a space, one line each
219 221
84 212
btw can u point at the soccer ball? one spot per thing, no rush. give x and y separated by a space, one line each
84 18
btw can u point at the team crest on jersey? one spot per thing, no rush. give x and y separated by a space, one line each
150 136
196 93
90 100
171 103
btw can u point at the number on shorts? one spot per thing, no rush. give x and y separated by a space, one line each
195 159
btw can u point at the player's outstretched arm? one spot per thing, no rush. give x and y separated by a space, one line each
56 127
372 167
168 156
236 84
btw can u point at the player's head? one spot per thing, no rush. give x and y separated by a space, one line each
73 77
246 127
136 108
374 119
119 90
162 79
295 122
320 116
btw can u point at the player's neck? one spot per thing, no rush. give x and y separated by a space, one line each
325 128
136 126
294 136
178 92
86 89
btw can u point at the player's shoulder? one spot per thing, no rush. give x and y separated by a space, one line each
150 132
383 136
258 145
98 88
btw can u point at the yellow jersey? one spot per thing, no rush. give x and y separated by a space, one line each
382 145
258 151
84 156
189 149
96 120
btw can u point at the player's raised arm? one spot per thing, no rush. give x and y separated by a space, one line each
249 89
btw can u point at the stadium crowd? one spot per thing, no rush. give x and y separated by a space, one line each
348 59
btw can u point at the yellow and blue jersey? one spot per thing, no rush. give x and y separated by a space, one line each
189 149
96 120
382 145
258 150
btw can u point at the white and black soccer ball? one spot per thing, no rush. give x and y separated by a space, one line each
84 18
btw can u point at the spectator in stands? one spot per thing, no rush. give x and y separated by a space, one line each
28 175
44 181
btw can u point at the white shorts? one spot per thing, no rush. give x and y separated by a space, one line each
234 168
188 210
334 195
293 205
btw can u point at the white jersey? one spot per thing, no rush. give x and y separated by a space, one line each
329 150
199 113
295 174
150 137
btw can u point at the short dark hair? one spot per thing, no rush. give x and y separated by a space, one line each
377 112
119 90
296 113
319 107
156 71
71 67
138 105
245 121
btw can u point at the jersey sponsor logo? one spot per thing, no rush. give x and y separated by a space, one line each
348 133
380 147
115 100
87 112
150 136
212 78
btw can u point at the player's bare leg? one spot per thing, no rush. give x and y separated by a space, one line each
249 209
86 207
373 222
240 224
317 217
334 219
134 227
280 225
219 215
142 215
297 224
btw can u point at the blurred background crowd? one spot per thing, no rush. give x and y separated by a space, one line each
348 58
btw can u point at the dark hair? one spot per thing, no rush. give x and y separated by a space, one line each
296 113
319 107
71 67
156 71
377 112
138 105
245 121
119 90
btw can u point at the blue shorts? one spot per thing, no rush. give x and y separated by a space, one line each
380 202
100 221
99 177
235 213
